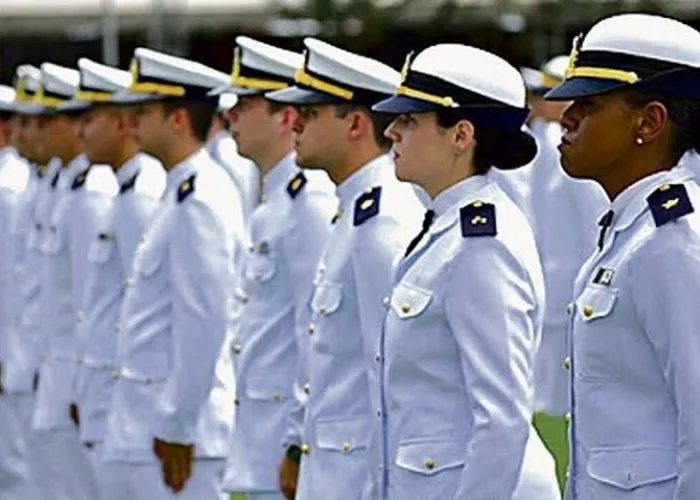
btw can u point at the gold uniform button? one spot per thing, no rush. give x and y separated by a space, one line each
377 357
307 388
305 449
567 418
430 464
406 308
237 402
587 311
237 348
312 329
569 308
346 447
277 396
567 363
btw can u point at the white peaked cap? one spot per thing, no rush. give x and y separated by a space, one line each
332 74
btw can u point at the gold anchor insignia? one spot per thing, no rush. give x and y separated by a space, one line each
665 187
478 204
573 58
479 219
366 204
406 67
296 184
185 186
668 205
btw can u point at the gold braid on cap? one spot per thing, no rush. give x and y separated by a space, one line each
573 71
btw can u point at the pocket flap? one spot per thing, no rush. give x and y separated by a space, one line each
409 301
259 268
628 469
327 298
596 302
343 434
430 457
265 389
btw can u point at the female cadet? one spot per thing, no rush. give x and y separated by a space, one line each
635 345
465 314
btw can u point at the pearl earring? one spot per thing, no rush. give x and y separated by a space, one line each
639 141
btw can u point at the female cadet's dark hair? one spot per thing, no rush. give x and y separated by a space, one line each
685 115
494 148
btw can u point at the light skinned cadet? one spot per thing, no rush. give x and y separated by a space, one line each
83 193
170 418
464 318
377 216
108 137
287 233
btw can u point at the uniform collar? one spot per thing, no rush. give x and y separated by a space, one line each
128 170
7 151
278 177
185 169
446 205
365 177
76 166
632 202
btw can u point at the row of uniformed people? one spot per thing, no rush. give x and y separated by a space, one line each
387 382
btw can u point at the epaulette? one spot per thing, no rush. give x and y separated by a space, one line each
478 219
296 185
669 202
367 205
186 188
80 179
129 184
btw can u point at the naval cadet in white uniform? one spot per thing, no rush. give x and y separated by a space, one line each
287 233
24 339
222 148
633 360
376 218
108 137
464 318
170 420
83 195
14 180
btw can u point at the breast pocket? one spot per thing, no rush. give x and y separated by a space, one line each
329 335
429 469
597 344
260 268
632 473
101 250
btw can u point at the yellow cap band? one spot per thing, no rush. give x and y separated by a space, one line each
92 96
445 101
157 88
303 78
603 73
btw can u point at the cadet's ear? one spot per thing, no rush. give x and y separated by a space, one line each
463 137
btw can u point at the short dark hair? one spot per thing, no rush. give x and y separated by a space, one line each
200 113
379 121
684 115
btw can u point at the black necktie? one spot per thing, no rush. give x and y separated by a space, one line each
604 224
427 222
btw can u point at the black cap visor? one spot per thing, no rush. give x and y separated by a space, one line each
299 97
